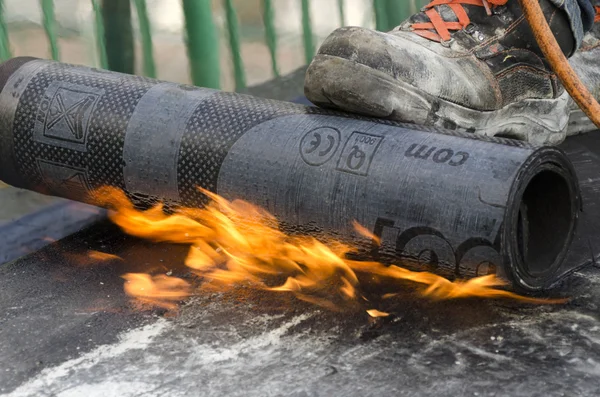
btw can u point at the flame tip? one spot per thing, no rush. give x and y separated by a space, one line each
377 314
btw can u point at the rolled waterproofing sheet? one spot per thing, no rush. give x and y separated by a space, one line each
444 202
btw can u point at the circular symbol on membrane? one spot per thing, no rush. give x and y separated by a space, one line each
319 145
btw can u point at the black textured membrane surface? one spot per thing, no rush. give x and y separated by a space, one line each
450 203
96 150
211 132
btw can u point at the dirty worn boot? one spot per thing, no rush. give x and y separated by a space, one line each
586 62
467 65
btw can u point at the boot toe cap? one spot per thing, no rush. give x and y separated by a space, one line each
444 73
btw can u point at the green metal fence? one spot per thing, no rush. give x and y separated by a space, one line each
114 32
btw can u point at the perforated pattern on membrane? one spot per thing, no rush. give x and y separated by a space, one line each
216 124
213 129
102 160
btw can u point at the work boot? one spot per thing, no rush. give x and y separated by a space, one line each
466 65
586 62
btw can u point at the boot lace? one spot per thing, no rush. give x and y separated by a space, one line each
439 30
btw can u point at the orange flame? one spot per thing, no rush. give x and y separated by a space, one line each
376 313
363 231
234 242
91 258
162 291
102 256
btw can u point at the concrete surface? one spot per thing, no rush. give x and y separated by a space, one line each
30 221
68 330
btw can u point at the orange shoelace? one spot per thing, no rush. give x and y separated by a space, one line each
597 19
442 28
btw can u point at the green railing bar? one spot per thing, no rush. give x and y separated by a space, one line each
309 45
270 34
342 10
398 11
234 44
118 33
381 22
50 27
202 43
100 42
5 52
146 36
390 13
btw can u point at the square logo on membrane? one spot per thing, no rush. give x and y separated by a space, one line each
63 115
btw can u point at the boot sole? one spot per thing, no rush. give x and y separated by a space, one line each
341 83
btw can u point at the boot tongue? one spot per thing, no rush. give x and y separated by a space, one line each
445 12
477 14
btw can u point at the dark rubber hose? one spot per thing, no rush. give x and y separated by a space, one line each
560 64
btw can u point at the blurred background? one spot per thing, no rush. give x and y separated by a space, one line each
227 44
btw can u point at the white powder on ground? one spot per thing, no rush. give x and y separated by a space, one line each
135 339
